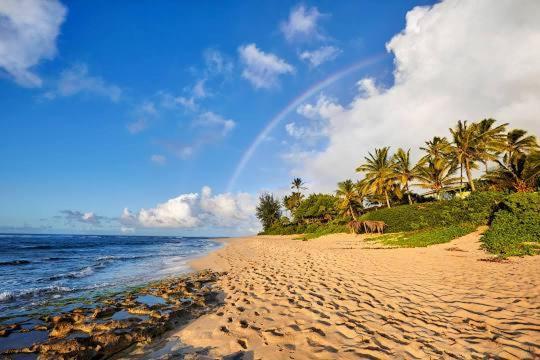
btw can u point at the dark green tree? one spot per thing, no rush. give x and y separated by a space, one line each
268 211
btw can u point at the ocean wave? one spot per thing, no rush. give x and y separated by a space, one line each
56 258
6 296
87 271
134 257
14 262
36 247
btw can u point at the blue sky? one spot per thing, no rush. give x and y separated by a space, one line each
127 105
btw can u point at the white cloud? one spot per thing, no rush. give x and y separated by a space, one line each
72 216
127 229
302 24
28 32
320 55
217 63
199 91
170 101
77 79
454 60
158 159
143 113
194 210
367 87
262 69
210 119
323 109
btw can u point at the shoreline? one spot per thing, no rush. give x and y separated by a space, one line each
339 296
78 323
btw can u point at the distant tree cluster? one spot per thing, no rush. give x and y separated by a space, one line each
445 169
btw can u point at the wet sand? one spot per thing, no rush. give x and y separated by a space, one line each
340 297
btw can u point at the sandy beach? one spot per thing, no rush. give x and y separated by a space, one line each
342 297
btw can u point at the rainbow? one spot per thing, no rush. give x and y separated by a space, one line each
248 154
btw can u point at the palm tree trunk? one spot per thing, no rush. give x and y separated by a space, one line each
352 213
460 177
408 193
387 200
469 175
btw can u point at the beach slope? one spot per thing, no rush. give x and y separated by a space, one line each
342 297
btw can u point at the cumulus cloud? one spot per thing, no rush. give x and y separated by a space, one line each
302 24
158 159
75 216
213 120
143 114
320 55
170 101
454 60
367 87
324 108
217 63
197 210
207 128
262 69
77 80
28 33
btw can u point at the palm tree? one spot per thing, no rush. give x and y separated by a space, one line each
437 148
491 141
380 177
518 143
522 173
291 202
403 169
466 142
437 175
297 184
349 198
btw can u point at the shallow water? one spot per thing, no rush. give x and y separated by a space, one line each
43 272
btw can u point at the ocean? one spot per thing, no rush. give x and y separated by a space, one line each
42 273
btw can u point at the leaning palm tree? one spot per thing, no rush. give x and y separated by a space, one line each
349 199
437 175
380 178
465 145
404 171
297 184
437 148
491 141
522 173
517 143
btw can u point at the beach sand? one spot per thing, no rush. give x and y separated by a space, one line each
340 297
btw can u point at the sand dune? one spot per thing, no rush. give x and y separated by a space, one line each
337 297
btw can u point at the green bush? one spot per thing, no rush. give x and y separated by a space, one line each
475 209
330 228
515 226
426 237
312 230
316 207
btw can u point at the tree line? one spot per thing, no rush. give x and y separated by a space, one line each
501 159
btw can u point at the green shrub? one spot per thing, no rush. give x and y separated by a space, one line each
330 228
475 209
311 230
426 237
515 226
316 207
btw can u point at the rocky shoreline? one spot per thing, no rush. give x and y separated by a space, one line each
113 324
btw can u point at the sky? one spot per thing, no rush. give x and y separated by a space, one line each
167 117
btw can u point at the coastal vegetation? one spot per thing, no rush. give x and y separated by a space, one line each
482 174
426 237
